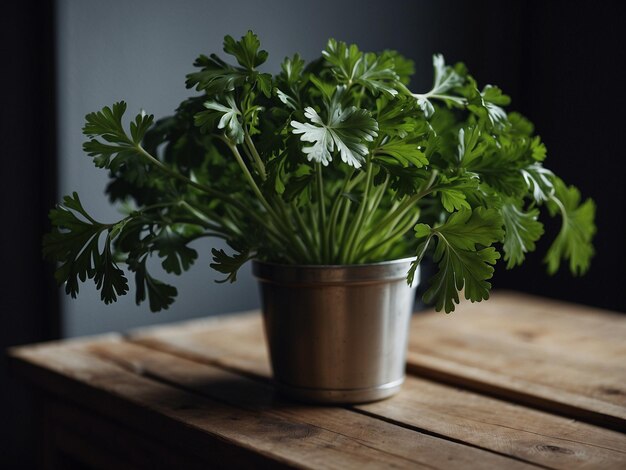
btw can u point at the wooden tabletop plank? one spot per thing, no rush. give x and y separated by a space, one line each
553 355
550 323
100 443
507 428
561 357
281 433
150 408
235 389
198 378
232 342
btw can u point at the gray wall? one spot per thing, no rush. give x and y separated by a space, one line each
141 50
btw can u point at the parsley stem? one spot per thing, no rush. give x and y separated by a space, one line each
390 238
249 177
421 254
321 203
406 204
355 181
301 224
343 233
560 205
430 94
292 230
173 173
357 222
334 213
207 222
313 220
213 192
251 182
391 218
255 154
374 203
286 232
359 97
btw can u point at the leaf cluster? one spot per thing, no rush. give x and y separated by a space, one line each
335 161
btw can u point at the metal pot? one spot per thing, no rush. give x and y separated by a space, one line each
337 334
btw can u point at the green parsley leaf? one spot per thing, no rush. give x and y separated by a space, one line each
353 67
160 295
229 118
446 79
454 191
347 130
228 264
264 82
539 181
538 149
486 104
496 164
396 117
464 256
521 231
216 76
403 180
573 242
404 151
246 50
470 146
108 277
403 67
291 70
74 241
454 200
172 246
116 147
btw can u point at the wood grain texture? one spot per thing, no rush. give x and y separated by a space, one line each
553 355
560 357
208 383
199 428
96 442
531 435
237 414
420 450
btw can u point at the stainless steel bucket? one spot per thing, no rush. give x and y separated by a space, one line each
337 334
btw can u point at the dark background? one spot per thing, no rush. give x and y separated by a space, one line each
560 61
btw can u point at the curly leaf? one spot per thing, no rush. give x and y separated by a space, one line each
160 295
446 78
345 130
227 264
108 277
522 230
215 76
403 151
352 67
573 242
246 50
74 241
115 147
539 181
172 247
229 118
463 255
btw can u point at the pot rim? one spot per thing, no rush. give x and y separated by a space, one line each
312 274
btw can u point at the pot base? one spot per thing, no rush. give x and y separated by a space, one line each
339 397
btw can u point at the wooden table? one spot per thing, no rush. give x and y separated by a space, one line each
516 382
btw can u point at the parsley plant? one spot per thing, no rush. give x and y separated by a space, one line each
332 162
